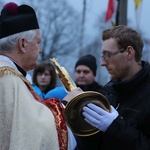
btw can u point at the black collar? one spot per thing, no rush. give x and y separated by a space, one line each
20 69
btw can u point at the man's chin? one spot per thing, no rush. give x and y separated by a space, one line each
33 66
82 83
111 77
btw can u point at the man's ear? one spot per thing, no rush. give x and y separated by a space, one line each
130 52
22 44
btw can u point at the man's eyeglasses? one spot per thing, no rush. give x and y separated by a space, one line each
107 56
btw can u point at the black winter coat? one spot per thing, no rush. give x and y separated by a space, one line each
94 86
131 129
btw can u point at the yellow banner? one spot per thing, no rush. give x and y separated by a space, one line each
137 3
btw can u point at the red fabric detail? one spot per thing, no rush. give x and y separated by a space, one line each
58 111
110 10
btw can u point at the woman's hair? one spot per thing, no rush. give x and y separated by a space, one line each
9 42
41 69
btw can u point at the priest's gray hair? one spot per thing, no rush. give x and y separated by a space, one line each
9 42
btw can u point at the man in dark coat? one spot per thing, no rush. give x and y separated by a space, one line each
127 125
85 73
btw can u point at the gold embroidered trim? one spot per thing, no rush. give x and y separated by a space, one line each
8 70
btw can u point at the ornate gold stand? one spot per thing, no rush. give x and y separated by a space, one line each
73 111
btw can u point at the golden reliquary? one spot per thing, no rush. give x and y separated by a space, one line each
73 111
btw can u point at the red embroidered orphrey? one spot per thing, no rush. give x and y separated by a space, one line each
58 111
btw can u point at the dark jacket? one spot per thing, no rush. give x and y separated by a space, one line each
131 129
94 86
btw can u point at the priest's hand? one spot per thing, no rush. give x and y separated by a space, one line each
72 94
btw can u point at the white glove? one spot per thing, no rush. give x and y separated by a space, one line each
98 117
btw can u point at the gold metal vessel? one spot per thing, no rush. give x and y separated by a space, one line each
73 111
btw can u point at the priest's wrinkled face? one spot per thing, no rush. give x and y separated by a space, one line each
32 49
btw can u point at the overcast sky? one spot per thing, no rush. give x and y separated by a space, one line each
98 6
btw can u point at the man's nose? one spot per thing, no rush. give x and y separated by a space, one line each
43 75
103 62
81 74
